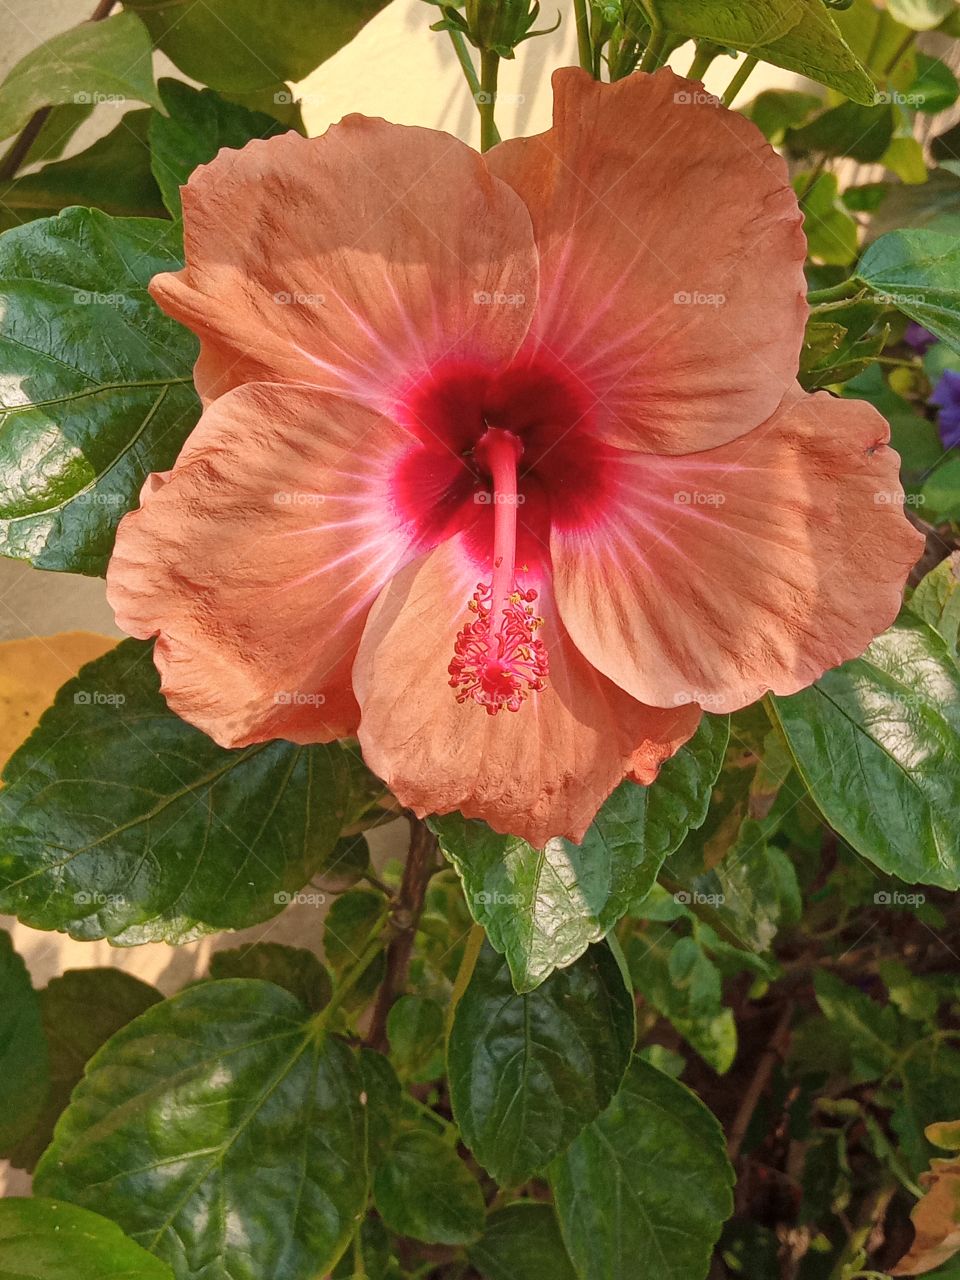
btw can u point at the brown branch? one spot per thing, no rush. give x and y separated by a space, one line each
405 916
28 135
761 1078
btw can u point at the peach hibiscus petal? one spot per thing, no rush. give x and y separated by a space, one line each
671 258
354 261
256 559
542 771
754 566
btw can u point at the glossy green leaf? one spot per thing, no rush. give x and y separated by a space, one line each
198 122
542 908
877 742
108 61
113 175
522 1242
423 1190
51 1240
649 1179
527 1072
295 969
918 272
799 35
241 45
119 820
80 1011
23 1049
96 382
222 1133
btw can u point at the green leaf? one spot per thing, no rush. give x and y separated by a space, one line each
81 1010
51 1240
542 908
860 132
649 1179
197 124
107 61
872 1032
935 87
521 1242
113 174
23 1049
905 158
675 975
940 491
831 233
937 601
799 35
382 1107
97 382
119 820
415 1027
527 1072
918 272
930 1082
375 1254
221 1131
240 45
349 926
776 110
295 969
424 1190
877 743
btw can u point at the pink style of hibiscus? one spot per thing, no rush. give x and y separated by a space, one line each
503 467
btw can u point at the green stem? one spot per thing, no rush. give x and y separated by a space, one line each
449 1130
836 293
704 58
902 48
739 80
815 175
584 48
487 101
654 50
466 62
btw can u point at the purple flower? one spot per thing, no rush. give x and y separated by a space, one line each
919 338
946 396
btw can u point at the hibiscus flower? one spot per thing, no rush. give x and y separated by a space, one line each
503 467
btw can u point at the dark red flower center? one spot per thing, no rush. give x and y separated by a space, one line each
499 456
